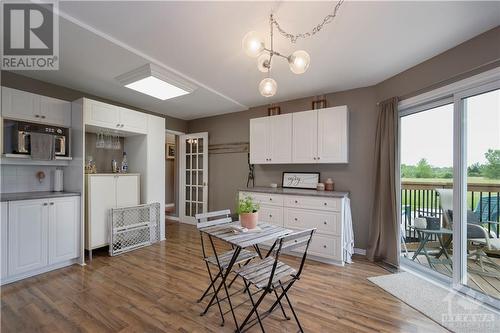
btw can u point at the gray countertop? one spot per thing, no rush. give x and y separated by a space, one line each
35 195
292 191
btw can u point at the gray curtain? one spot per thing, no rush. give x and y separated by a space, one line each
383 231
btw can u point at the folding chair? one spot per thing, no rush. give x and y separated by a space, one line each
271 275
222 260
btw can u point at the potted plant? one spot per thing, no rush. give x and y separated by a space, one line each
249 212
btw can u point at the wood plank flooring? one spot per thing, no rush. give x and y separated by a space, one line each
155 290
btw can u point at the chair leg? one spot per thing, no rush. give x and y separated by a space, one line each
293 312
215 294
281 306
209 287
254 308
247 286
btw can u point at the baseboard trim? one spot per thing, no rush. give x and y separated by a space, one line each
173 218
360 251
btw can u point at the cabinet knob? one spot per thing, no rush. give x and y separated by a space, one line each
270 215
295 219
45 204
324 222
270 199
43 117
324 246
318 158
117 125
52 204
325 204
122 125
37 116
314 158
296 201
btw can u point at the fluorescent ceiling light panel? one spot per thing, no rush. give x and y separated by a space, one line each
156 82
155 87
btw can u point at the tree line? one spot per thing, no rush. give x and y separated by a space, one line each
490 170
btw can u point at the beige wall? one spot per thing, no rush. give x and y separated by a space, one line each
228 172
16 81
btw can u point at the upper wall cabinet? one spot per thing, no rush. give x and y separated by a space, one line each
22 105
316 136
114 117
271 139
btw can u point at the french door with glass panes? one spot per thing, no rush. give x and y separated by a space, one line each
194 175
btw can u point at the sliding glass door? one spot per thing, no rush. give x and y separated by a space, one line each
449 153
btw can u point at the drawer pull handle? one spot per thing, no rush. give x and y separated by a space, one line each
324 246
295 241
52 204
296 201
45 204
270 215
295 219
326 203
270 199
324 222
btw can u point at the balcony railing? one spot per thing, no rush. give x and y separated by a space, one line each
419 198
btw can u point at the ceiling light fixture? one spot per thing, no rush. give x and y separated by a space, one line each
155 81
298 61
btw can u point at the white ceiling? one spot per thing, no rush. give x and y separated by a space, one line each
201 41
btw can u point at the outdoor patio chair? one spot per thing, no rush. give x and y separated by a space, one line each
272 275
222 260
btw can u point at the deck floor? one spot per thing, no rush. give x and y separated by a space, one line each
485 284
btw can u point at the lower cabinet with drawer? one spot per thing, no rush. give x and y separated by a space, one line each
298 212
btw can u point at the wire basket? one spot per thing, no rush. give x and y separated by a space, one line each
134 227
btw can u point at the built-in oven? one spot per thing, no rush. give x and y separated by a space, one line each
18 137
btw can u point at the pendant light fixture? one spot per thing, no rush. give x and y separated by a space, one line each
254 46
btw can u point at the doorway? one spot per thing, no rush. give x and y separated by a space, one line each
172 167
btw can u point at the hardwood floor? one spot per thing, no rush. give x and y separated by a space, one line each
155 289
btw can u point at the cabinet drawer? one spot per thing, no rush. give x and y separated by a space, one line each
271 214
325 246
330 204
264 198
323 221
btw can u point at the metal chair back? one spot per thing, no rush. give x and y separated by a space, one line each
211 219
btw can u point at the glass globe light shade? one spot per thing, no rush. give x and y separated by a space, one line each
252 44
263 63
268 87
299 61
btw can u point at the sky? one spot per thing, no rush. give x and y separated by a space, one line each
429 134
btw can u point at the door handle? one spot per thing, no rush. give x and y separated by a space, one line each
52 204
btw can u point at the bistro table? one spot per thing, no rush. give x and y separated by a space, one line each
424 235
239 240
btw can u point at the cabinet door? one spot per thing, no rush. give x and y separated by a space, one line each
305 137
280 128
127 190
17 104
4 240
64 228
333 135
55 111
28 222
101 198
133 121
101 114
259 141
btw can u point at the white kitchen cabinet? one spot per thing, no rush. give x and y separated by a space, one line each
333 124
305 137
22 105
104 192
316 136
270 140
55 111
28 235
109 116
38 236
4 240
299 212
64 229
259 141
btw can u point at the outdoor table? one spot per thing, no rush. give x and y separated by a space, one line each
424 235
239 240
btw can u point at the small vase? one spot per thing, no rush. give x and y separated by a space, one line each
249 220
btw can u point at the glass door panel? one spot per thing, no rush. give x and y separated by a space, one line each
426 157
481 253
195 173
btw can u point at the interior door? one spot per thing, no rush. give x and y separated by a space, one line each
194 175
305 137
